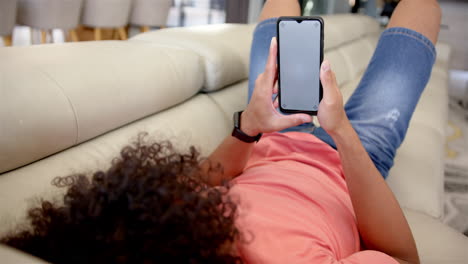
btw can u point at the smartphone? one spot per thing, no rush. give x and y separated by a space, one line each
300 54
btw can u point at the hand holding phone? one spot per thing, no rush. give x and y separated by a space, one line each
261 115
300 54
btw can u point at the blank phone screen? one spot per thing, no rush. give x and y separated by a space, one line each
299 58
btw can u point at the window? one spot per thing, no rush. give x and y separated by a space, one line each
197 12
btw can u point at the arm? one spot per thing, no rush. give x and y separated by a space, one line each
231 156
380 220
260 116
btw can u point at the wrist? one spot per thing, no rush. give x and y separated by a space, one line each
341 130
247 125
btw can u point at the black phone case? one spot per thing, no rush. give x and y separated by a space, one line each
322 25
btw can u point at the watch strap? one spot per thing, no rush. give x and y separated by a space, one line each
239 134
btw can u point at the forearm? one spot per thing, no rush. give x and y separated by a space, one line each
227 161
380 220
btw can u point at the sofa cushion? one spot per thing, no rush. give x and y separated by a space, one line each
11 255
232 99
225 49
56 96
350 59
417 175
443 55
432 109
339 66
199 122
343 29
356 56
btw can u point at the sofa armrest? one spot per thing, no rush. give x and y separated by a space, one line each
436 242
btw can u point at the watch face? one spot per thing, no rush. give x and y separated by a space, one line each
236 118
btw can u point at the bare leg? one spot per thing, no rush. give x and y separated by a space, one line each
277 8
422 16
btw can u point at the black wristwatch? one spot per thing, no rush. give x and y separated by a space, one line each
237 132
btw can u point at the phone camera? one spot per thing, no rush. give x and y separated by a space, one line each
316 24
283 25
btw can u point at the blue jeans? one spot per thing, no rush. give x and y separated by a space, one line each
381 107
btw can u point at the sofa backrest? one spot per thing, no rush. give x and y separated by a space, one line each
224 50
57 96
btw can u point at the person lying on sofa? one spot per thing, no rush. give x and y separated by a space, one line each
311 195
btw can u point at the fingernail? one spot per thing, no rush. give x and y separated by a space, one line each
272 41
325 66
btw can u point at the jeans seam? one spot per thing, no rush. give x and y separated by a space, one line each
266 23
423 41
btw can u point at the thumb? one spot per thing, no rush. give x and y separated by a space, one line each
328 79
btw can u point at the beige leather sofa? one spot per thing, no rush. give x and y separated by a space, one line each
71 107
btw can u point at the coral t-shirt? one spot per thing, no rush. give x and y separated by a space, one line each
294 205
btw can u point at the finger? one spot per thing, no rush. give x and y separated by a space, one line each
275 88
270 67
291 120
276 102
328 79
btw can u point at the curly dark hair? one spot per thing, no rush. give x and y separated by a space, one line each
150 206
